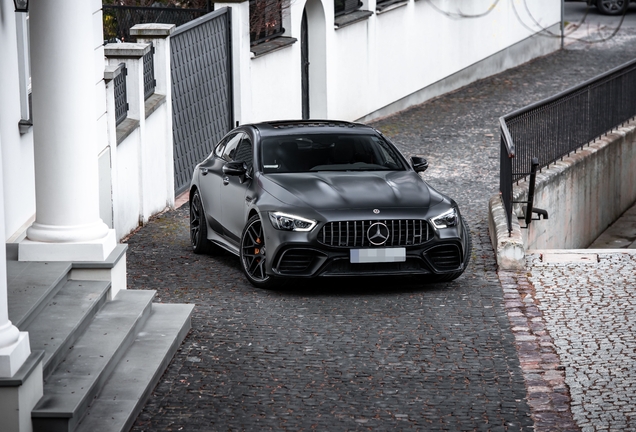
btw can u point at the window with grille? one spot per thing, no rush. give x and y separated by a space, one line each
343 7
266 20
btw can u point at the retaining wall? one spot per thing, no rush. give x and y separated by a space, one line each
584 194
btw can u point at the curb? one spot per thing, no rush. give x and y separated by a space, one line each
509 248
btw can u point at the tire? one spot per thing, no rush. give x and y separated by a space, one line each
447 277
198 226
612 7
253 254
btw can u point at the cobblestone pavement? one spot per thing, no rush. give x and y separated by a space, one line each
368 354
590 311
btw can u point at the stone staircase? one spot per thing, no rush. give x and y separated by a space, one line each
101 357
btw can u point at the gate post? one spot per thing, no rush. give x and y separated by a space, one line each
159 36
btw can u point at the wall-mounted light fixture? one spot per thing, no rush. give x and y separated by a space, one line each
21 5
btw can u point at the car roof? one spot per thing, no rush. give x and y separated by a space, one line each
293 127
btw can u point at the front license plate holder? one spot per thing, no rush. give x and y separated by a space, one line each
377 255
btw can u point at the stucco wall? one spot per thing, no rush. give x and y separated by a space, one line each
392 56
17 150
584 193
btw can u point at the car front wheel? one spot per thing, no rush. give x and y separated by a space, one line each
254 254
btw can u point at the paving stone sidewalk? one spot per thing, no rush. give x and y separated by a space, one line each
589 308
376 354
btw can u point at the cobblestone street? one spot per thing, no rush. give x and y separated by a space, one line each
590 311
395 354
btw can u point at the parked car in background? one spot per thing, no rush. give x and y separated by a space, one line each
305 199
610 7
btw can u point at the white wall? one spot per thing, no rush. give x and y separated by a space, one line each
17 150
126 185
388 57
158 173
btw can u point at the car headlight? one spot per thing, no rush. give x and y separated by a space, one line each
287 222
446 220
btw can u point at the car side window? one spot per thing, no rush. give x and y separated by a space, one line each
218 150
244 152
229 151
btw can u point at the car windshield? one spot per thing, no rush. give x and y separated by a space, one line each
328 152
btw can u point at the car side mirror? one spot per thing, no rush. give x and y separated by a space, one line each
419 163
235 168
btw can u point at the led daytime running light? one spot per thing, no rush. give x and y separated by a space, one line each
287 222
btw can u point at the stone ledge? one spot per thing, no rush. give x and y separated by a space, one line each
152 30
272 45
509 247
25 371
351 18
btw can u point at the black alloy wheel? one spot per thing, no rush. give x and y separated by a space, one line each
198 227
612 7
254 254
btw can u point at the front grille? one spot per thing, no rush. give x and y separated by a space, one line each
295 260
445 257
353 234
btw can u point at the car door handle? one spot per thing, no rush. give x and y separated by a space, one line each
204 171
226 180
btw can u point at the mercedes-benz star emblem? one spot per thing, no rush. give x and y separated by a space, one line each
378 234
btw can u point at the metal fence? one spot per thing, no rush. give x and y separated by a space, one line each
343 7
555 127
119 19
202 98
121 97
149 72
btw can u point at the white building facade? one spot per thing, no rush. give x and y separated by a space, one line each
390 58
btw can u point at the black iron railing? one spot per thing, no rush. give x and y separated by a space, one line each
119 19
343 7
149 72
121 97
555 127
266 20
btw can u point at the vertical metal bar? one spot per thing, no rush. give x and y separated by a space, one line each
533 177
355 233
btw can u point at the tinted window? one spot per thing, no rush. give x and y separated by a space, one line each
244 151
227 150
304 153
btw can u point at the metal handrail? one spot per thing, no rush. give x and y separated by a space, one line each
559 125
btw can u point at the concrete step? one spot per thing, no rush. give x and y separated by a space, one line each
64 318
72 386
139 371
30 286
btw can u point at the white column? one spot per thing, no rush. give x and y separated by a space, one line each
67 225
14 345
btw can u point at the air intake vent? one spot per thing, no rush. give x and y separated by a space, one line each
295 261
445 257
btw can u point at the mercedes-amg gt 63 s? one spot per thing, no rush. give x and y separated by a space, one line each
304 199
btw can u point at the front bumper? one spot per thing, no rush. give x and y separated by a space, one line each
301 255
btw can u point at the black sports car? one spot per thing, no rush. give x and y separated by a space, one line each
299 199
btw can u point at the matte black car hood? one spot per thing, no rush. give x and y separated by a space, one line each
330 190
